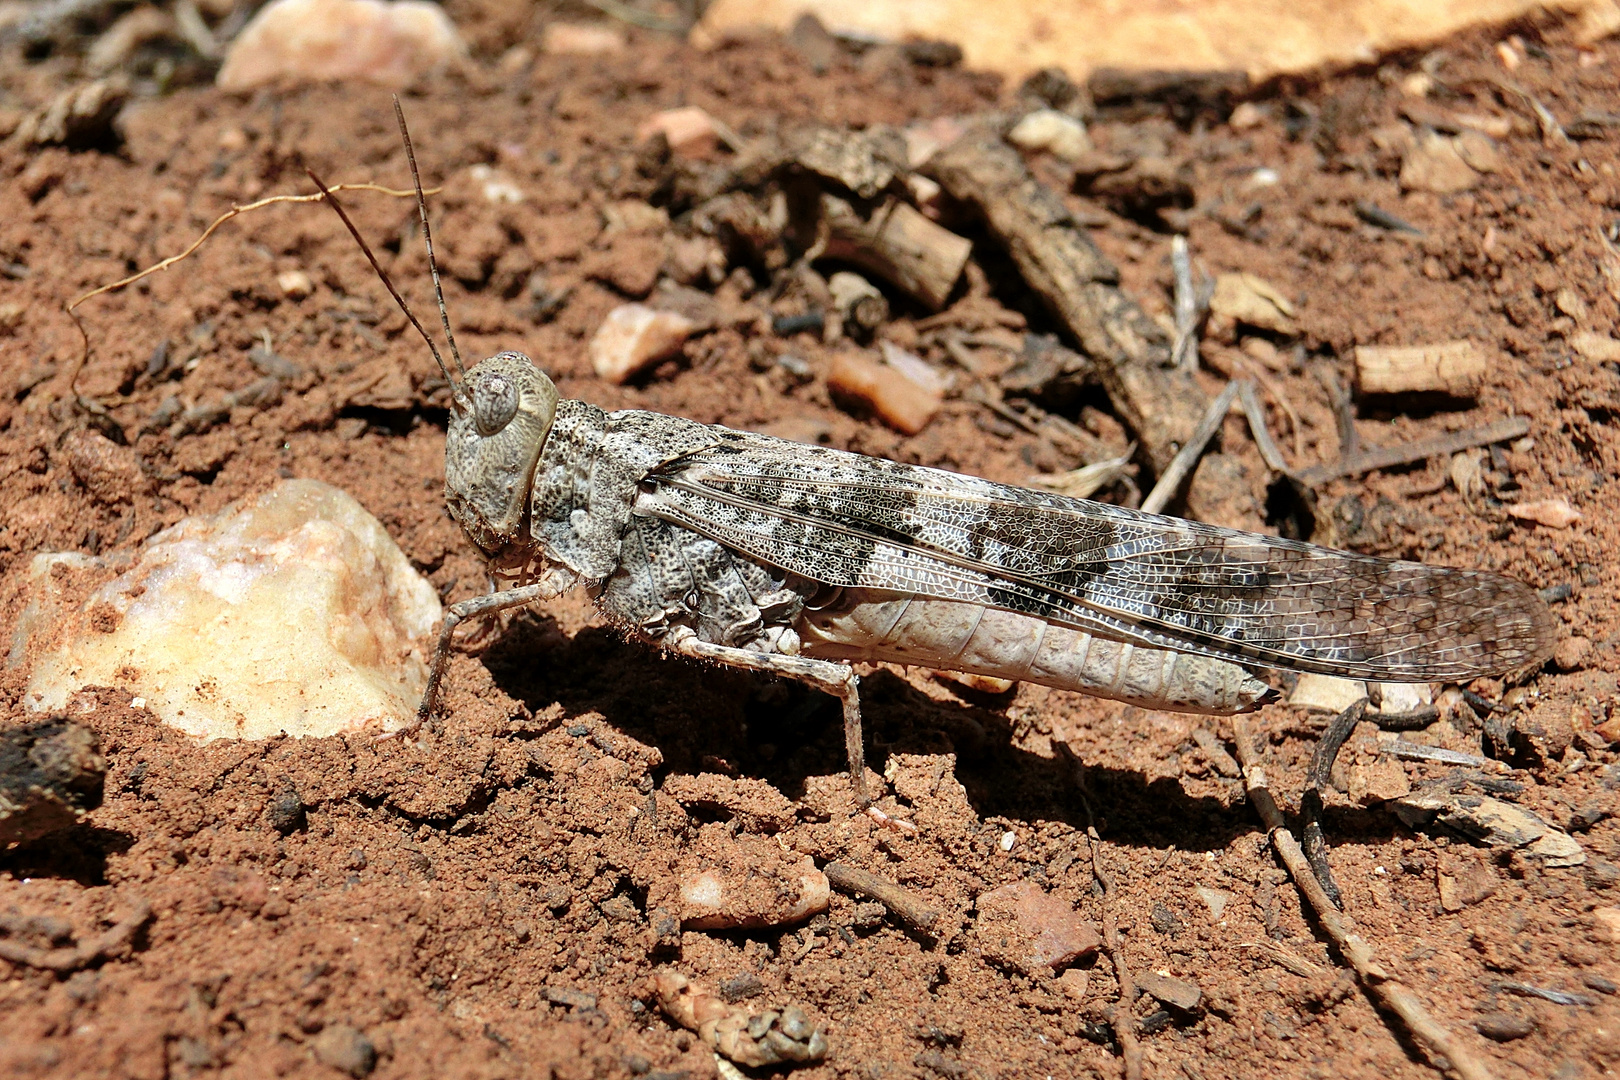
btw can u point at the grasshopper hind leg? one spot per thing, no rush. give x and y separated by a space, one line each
827 676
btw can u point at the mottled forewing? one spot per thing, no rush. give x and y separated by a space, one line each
850 520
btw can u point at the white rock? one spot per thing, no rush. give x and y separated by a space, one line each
1326 693
581 39
691 132
1400 698
293 612
294 41
634 337
1047 129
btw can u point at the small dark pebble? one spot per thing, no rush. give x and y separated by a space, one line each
1093 1032
1164 920
346 1049
573 999
579 731
788 325
1600 984
741 987
285 811
1587 816
1555 594
1377 215
1503 1027
1156 1022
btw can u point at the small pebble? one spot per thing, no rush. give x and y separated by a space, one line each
1023 927
773 890
690 131
1047 129
633 338
1436 164
1179 993
294 284
312 41
896 399
1504 1027
1214 899
1553 513
581 39
345 1049
1573 653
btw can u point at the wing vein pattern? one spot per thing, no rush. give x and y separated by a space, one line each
855 521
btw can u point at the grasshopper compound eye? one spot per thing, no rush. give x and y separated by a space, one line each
495 402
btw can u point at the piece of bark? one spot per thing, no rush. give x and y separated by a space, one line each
1081 287
51 775
1182 95
863 162
1453 368
898 244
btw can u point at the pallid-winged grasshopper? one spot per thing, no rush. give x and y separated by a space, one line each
760 553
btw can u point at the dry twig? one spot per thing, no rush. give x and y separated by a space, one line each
912 910
1374 978
1362 460
1181 465
85 953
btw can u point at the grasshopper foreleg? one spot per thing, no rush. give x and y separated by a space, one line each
548 588
825 675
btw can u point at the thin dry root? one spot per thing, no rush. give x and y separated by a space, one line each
748 1038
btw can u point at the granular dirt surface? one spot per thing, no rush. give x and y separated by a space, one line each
475 901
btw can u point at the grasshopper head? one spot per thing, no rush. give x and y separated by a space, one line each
496 434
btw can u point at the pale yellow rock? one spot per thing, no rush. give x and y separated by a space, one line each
633 337
300 41
1251 301
1262 37
1600 348
1047 129
1436 164
1324 693
1553 513
581 39
293 612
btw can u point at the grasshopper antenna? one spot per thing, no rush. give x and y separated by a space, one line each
457 390
427 236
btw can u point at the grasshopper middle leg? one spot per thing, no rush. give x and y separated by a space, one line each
837 679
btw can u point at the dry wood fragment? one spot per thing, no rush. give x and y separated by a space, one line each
1361 461
1374 978
1181 465
898 244
1454 368
51 775
1081 287
1181 94
912 910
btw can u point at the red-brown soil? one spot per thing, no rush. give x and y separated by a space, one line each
436 894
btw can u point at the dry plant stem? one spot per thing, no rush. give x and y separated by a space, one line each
913 911
1362 461
82 955
1352 946
1181 466
84 354
1256 415
1119 1014
1186 349
1080 286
